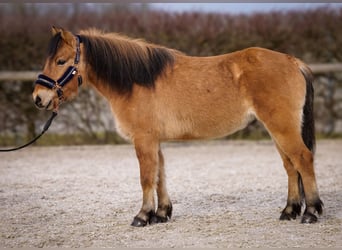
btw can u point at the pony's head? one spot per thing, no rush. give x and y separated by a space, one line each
61 75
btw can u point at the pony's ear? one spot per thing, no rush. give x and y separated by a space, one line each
67 36
55 30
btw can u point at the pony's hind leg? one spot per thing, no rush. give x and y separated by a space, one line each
147 153
295 196
293 147
164 211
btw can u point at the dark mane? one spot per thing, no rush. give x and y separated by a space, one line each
121 62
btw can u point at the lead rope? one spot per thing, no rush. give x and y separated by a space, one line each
45 128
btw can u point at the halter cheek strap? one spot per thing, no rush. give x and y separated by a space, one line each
70 72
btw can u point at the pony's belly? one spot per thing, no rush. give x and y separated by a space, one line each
189 129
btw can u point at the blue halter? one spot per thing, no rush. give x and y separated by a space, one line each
66 77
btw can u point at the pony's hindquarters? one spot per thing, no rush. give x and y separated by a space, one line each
281 93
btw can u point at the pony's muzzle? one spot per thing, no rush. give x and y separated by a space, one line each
38 102
43 99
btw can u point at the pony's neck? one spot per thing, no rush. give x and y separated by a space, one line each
120 62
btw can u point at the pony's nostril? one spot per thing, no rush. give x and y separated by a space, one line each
38 101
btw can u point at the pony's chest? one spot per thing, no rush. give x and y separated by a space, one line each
124 133
130 123
122 126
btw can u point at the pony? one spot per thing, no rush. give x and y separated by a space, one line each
158 94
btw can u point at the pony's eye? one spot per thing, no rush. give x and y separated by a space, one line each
61 62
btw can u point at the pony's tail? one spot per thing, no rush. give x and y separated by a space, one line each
308 122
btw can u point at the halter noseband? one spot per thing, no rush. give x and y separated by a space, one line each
66 77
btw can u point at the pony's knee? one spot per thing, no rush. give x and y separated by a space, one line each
148 175
148 163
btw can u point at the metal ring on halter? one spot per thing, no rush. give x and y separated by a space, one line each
59 91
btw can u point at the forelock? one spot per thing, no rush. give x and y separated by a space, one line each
54 44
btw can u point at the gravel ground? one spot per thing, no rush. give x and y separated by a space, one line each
224 194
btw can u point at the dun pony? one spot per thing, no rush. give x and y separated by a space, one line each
158 94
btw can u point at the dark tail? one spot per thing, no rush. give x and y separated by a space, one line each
308 123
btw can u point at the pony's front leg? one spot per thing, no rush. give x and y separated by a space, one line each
164 211
147 153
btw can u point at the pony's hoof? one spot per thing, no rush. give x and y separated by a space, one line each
291 211
163 214
137 222
286 216
309 218
158 219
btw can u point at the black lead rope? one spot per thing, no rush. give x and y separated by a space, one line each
46 127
